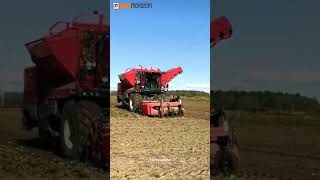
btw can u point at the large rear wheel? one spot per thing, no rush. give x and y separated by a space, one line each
69 143
181 111
226 162
81 131
134 101
45 138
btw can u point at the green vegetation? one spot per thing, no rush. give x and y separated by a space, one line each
185 93
285 119
264 101
11 99
189 93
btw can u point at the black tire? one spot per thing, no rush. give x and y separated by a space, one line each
234 160
181 111
227 162
85 119
45 138
69 130
124 104
47 133
161 114
133 104
216 167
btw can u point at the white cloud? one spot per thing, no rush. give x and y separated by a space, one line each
205 86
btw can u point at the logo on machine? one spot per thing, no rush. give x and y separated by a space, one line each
117 6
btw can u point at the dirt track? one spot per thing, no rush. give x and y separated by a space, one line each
22 156
168 148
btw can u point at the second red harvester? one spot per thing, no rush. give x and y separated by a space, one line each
223 141
142 90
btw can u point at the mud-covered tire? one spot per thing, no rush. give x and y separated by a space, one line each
83 118
181 111
45 138
161 114
234 160
92 131
133 103
124 104
47 132
227 162
216 167
69 144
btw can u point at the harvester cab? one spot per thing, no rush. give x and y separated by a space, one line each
149 82
224 146
142 90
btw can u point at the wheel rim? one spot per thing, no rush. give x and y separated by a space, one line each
130 104
67 134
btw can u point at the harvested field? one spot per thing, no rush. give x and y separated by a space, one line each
169 148
278 145
23 157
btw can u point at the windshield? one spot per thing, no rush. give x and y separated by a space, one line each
149 82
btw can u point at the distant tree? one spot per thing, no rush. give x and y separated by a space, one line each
264 100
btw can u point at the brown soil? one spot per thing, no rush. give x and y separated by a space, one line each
169 148
23 157
278 146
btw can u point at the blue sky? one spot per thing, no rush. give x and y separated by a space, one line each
170 34
26 21
275 46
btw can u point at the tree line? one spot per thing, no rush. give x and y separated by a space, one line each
263 101
11 99
186 93
228 100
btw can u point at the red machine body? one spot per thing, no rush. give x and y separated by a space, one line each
128 79
220 29
70 76
148 107
148 86
58 57
223 142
